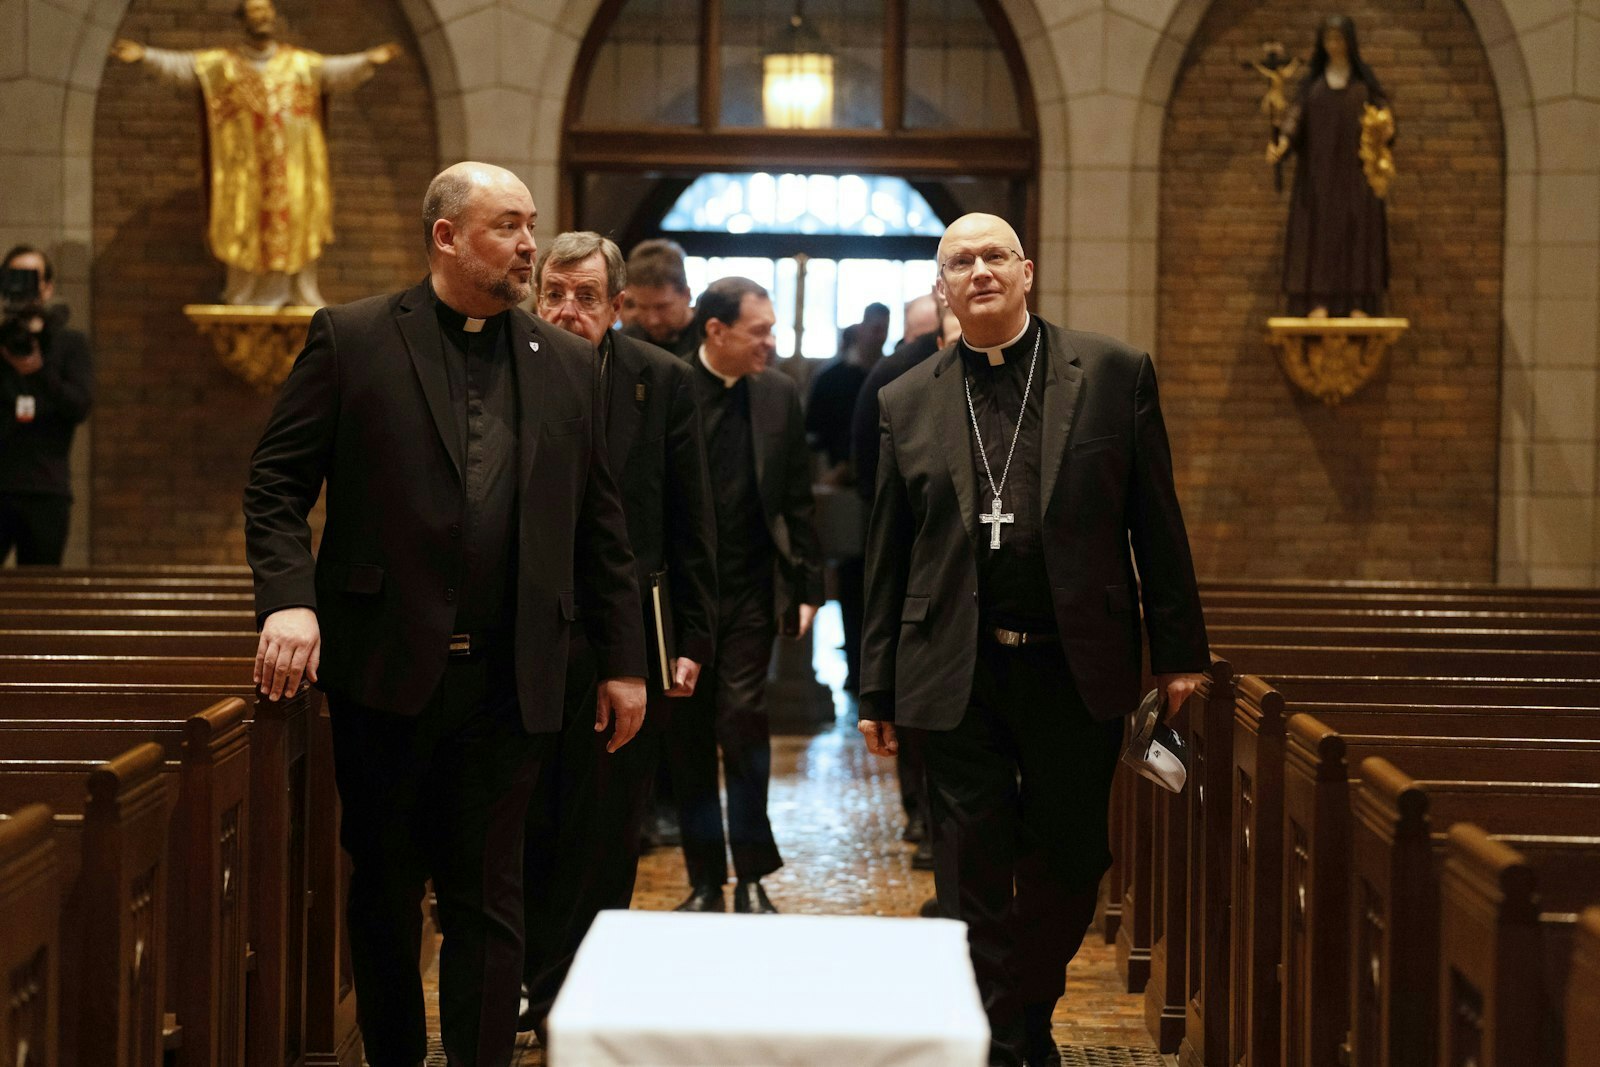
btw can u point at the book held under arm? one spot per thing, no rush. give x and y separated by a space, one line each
660 634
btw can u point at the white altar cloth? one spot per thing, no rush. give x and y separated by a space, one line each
669 989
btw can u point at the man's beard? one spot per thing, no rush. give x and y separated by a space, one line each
502 286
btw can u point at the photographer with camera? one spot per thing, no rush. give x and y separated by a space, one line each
46 388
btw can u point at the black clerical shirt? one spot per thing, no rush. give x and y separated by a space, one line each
1013 585
483 398
744 544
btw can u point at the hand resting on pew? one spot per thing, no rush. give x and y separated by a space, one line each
289 652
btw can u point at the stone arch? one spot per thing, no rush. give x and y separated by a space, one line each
569 28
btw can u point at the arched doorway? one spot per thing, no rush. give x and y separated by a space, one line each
928 92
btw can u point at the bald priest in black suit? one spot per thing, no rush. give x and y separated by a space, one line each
473 527
1017 468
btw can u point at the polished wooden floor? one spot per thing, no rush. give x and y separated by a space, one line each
836 813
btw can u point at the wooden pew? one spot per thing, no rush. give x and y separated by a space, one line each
1585 638
1516 617
1252 879
1134 801
1583 993
111 825
119 618
238 644
1210 912
30 936
1481 597
1397 844
1318 777
300 999
1166 896
1174 991
207 851
1214 1029
1507 920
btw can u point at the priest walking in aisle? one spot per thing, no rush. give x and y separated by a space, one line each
1024 474
473 531
769 581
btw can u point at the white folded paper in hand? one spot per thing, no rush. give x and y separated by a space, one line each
1153 748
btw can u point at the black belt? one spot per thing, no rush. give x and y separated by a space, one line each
465 646
1017 638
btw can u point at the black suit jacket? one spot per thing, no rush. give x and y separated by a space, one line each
1106 470
783 475
655 448
366 409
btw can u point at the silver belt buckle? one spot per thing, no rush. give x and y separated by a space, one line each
1010 638
461 644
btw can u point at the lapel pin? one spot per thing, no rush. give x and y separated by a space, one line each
534 345
638 393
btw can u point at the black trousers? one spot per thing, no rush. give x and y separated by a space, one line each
583 829
728 709
852 579
443 795
35 524
1018 793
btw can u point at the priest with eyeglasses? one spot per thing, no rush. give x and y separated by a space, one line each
1024 511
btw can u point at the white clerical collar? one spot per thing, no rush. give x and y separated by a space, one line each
996 355
727 382
473 325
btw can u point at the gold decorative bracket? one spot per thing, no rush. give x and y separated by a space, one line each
1332 358
259 344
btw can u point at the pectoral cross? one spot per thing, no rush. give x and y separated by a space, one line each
993 521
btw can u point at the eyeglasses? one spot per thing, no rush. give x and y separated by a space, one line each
962 263
586 301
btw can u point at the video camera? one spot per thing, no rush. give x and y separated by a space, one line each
19 290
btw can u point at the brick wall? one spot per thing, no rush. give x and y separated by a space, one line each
173 428
1399 481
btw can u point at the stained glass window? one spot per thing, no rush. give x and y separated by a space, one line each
865 205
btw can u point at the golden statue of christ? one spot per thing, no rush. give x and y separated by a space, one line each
271 201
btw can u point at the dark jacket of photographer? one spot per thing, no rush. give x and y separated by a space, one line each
33 455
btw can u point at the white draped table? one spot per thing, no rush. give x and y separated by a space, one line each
674 990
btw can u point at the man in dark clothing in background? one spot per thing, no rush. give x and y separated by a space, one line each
46 389
828 413
657 307
925 335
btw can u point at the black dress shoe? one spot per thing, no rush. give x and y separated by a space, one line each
704 898
750 899
916 829
930 908
1039 1041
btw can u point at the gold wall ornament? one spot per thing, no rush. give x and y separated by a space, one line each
259 344
1332 358
1377 158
